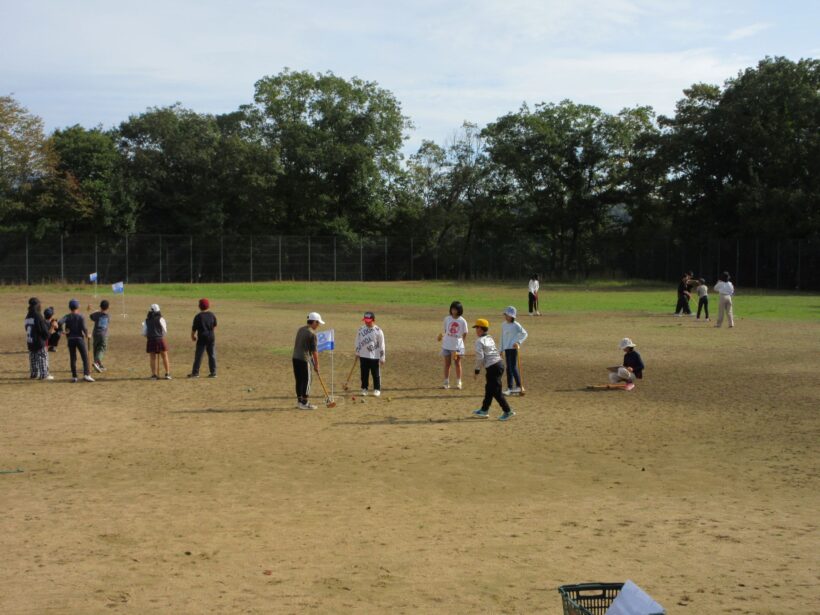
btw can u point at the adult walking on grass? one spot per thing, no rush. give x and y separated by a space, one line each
305 356
532 297
683 295
204 334
726 290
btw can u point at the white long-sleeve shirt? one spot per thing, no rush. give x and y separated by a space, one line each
534 286
725 288
486 354
370 343
512 333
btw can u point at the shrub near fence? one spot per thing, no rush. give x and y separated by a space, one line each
785 264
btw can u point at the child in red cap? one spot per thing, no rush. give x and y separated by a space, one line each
203 333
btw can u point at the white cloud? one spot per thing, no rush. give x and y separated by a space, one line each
747 31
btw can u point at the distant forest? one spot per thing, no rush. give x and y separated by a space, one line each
319 155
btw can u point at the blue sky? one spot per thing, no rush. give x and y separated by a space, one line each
93 62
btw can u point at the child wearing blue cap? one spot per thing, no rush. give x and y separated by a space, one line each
77 334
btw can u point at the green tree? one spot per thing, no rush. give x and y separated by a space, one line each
339 145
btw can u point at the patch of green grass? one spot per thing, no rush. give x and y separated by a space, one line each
598 296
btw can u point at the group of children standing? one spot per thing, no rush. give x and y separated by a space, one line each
724 288
43 333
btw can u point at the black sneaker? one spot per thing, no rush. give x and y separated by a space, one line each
211 375
193 375
154 377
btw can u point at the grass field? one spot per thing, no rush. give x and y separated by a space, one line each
198 496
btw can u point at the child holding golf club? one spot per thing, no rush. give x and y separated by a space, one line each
512 336
624 377
487 356
100 334
77 334
155 329
532 298
305 356
452 342
203 333
370 349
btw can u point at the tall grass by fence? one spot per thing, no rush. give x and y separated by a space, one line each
785 264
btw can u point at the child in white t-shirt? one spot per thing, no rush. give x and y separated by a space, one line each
452 342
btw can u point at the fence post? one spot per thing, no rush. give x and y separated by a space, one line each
737 259
777 283
334 258
126 259
28 282
251 252
798 265
221 258
308 258
436 263
96 265
280 258
160 258
385 259
757 261
361 259
62 261
411 259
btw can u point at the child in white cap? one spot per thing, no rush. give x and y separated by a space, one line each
512 336
155 329
305 355
624 376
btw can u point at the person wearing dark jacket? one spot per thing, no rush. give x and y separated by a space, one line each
203 333
37 331
77 334
155 329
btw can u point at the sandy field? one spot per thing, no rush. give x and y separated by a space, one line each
219 496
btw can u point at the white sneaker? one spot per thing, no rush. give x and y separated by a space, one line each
49 377
364 393
88 379
458 385
307 406
507 392
516 390
446 384
377 393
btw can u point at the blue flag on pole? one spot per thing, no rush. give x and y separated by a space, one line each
326 340
118 288
92 277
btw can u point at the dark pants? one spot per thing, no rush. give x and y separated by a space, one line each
301 372
205 344
683 304
370 366
703 303
533 303
511 357
492 388
74 345
53 341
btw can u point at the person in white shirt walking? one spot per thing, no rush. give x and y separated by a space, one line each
533 287
726 290
370 349
512 336
487 356
452 342
703 298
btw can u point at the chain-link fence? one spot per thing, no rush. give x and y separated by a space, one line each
785 264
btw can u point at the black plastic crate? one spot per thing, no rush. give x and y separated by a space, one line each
588 598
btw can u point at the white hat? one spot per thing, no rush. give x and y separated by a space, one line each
316 316
626 343
510 311
154 307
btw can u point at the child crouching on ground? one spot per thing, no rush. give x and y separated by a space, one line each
487 356
624 377
55 329
371 352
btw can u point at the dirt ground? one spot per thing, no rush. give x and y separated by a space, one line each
219 496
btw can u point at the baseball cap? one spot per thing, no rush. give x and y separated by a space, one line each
483 323
73 304
204 304
317 317
369 316
154 307
49 312
626 343
510 311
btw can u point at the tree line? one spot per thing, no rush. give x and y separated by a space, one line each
316 154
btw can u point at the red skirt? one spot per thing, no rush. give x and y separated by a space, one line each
156 345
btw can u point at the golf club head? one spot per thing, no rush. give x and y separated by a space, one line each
330 403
